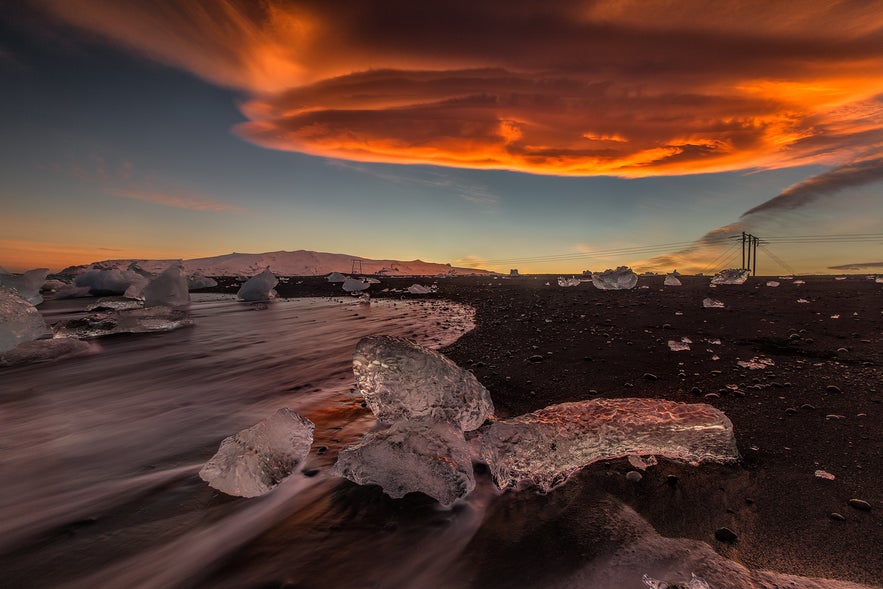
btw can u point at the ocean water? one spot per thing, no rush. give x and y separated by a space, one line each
99 459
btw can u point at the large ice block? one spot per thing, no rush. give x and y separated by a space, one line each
111 281
167 289
259 287
402 380
545 447
731 276
20 321
154 319
355 285
411 456
258 458
620 279
197 280
27 285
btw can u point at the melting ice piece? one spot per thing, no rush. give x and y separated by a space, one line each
879 279
731 276
355 285
20 321
799 282
710 303
259 287
46 350
27 285
411 456
401 381
568 281
168 289
545 447
772 283
620 279
197 280
258 458
336 277
419 289
679 346
756 363
672 280
154 319
803 301
694 583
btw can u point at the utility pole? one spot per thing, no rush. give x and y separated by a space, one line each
743 250
754 268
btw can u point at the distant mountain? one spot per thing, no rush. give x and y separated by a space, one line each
297 263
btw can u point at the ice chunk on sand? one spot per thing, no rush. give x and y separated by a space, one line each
46 350
756 363
879 279
258 458
672 280
167 289
336 277
27 285
259 287
419 289
402 381
154 319
355 285
411 456
620 279
545 447
679 346
568 281
731 276
694 583
20 321
111 281
710 303
772 283
197 280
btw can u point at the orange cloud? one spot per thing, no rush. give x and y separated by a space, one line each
180 200
630 88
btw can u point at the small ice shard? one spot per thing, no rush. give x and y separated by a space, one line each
27 285
568 281
694 583
835 316
731 276
372 281
823 474
154 319
403 381
799 282
168 289
620 279
678 346
197 280
786 278
336 277
671 280
411 456
258 458
710 303
756 363
46 350
259 287
840 278
419 289
20 321
545 447
111 281
355 285
879 279
772 283
802 301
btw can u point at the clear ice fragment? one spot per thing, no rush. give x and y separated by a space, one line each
620 279
259 287
27 285
258 458
678 346
419 289
672 280
411 456
731 276
756 363
167 289
20 321
154 319
772 283
562 281
694 583
355 285
403 381
710 303
545 447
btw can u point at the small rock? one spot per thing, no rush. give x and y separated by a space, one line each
837 517
535 358
725 535
860 504
672 480
833 389
822 474
634 476
696 391
650 376
790 411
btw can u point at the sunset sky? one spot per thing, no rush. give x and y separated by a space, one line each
544 136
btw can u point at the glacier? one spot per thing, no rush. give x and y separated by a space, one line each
545 447
255 460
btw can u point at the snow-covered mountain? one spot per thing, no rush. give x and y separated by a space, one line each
297 263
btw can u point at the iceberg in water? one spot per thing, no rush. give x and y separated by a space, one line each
336 277
403 381
111 281
411 456
20 321
197 280
568 281
259 287
355 285
154 319
27 285
731 276
545 447
671 280
620 279
167 289
255 460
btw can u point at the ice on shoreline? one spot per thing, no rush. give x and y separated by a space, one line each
671 280
565 282
731 276
403 381
20 321
545 447
255 460
620 279
196 281
259 287
154 319
27 285
710 303
111 281
355 285
167 289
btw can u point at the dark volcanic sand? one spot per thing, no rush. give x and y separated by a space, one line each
788 420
